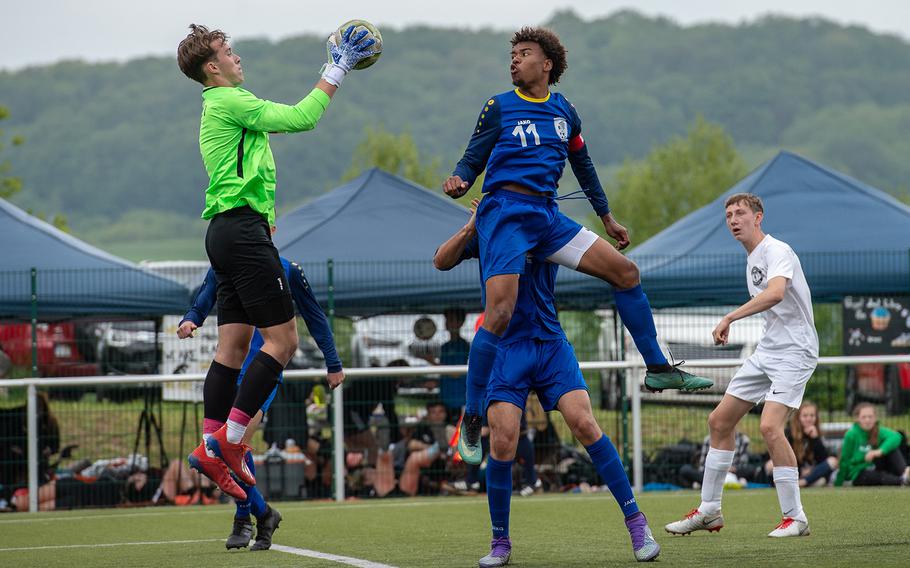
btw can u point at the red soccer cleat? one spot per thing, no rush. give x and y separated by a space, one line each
217 471
231 454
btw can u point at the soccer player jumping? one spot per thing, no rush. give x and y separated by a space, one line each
253 290
535 354
777 372
523 138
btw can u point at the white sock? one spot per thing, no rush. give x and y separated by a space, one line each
717 464
786 480
235 431
208 452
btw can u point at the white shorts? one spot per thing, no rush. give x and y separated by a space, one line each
570 254
773 377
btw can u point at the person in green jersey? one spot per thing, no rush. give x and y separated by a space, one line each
253 290
871 453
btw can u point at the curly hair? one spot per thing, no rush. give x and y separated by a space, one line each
551 46
196 49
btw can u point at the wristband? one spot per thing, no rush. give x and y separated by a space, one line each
333 73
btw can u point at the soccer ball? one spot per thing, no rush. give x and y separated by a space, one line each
373 33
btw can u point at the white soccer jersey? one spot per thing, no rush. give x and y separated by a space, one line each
790 325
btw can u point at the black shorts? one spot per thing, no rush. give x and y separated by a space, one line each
252 285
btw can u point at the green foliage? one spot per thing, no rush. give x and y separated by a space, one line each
674 179
396 154
9 185
105 138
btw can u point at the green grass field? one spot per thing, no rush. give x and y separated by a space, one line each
850 527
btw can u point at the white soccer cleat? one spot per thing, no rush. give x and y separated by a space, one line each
695 520
790 527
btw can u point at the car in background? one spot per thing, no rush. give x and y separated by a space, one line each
61 349
128 348
414 338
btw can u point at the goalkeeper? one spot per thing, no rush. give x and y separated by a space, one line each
253 290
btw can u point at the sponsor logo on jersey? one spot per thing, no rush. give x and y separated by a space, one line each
758 275
562 128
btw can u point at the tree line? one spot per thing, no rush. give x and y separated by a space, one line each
111 143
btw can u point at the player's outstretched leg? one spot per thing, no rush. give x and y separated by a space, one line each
635 312
575 407
606 459
499 496
480 364
707 516
603 261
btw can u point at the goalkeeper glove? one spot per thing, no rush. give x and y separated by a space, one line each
345 54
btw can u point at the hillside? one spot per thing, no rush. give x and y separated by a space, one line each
114 146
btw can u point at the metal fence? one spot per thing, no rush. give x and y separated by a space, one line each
140 441
131 437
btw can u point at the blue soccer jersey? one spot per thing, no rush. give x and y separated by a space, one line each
535 314
526 141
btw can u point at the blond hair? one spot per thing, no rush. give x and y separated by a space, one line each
750 199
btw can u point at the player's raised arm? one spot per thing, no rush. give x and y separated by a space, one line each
460 246
586 174
474 160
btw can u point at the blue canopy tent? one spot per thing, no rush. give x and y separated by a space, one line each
73 278
851 239
380 232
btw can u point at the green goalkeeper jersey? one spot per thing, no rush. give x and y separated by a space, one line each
234 140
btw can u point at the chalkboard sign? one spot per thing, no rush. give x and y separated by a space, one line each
876 325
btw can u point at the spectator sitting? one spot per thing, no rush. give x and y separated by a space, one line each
426 452
870 454
804 434
740 470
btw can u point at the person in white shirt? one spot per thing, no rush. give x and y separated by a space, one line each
776 373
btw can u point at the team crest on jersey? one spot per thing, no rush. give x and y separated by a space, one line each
758 275
562 128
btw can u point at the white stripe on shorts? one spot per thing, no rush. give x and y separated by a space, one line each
570 255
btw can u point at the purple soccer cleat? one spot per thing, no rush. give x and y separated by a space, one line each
644 546
500 553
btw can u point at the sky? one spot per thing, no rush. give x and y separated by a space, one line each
45 31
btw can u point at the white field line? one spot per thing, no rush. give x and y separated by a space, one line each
41 518
350 561
23 518
331 557
107 545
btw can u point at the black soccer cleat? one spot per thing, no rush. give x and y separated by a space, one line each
265 526
241 535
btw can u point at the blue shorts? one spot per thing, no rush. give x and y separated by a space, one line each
510 225
268 401
550 367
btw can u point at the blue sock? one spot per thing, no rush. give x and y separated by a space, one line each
635 312
609 466
499 494
254 502
480 365
526 456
